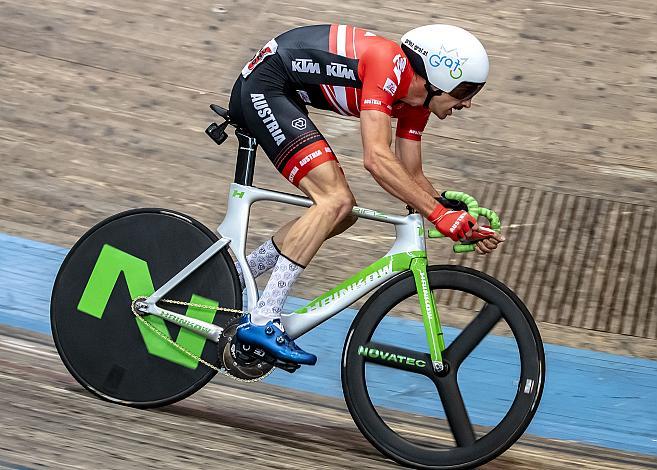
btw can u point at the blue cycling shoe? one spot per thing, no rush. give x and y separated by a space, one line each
271 338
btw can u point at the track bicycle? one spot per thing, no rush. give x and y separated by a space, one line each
145 305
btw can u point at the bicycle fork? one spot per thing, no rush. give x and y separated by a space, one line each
430 315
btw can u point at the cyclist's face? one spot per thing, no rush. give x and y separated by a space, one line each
443 105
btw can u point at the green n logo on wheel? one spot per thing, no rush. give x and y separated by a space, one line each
109 266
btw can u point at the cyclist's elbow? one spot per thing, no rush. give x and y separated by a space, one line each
372 162
371 167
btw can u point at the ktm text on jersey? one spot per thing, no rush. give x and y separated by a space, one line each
348 69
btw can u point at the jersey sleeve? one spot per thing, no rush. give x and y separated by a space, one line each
385 76
411 121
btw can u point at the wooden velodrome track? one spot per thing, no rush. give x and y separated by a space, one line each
49 421
103 106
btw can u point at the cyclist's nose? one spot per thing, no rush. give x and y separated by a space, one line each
467 103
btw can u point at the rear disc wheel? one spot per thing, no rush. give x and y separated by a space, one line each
103 345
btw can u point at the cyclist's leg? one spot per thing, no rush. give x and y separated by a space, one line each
343 225
301 154
333 201
330 213
303 157
265 256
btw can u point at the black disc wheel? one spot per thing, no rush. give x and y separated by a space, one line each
473 410
104 346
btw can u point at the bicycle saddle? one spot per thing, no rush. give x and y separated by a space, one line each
217 132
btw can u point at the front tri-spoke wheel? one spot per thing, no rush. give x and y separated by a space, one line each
466 414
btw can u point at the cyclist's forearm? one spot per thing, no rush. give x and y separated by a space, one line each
395 179
425 184
409 153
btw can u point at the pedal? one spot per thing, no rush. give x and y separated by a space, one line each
242 359
290 367
261 355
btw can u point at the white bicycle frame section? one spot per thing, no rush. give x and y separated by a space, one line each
233 232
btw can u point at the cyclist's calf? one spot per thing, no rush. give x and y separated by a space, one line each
344 224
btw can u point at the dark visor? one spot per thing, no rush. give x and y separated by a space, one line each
466 90
463 91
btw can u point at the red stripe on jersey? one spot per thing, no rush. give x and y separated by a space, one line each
333 39
327 97
359 35
348 41
329 94
350 50
304 160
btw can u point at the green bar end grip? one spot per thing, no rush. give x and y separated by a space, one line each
492 217
475 211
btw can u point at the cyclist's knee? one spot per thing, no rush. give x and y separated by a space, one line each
337 206
345 215
349 217
345 202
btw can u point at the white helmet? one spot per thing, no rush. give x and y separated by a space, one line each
447 57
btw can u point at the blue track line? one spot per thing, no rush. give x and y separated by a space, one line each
597 398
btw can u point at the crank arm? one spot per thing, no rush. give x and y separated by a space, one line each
205 329
260 355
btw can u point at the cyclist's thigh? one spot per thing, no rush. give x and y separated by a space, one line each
327 182
284 131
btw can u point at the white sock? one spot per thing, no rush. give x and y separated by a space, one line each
270 305
260 260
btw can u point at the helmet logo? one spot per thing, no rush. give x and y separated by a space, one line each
451 60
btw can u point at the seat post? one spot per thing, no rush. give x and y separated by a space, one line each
246 155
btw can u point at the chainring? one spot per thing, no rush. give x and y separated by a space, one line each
235 357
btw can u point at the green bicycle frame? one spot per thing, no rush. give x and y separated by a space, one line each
369 278
408 252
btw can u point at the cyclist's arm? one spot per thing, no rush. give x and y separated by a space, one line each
409 152
385 167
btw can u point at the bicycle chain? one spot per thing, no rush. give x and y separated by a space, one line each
185 350
209 307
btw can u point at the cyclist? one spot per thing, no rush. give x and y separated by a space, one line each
353 72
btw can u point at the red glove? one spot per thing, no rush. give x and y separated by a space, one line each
451 223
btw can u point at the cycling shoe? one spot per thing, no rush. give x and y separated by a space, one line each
271 337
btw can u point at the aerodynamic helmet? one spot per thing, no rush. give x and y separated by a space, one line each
449 58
